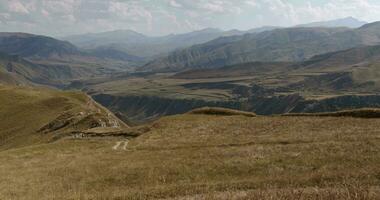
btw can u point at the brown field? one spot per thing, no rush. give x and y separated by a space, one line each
206 157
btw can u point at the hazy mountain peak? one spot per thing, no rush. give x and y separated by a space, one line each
349 22
209 30
370 25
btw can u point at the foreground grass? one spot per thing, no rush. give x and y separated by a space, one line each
206 157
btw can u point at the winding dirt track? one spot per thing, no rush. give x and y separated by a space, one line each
119 143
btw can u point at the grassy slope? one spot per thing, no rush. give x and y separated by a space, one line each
205 156
25 110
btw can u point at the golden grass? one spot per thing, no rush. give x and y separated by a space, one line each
221 111
206 157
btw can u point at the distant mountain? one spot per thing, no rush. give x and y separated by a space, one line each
353 70
344 60
262 29
28 58
348 22
35 46
15 70
281 45
139 45
93 40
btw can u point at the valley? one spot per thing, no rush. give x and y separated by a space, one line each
265 113
316 85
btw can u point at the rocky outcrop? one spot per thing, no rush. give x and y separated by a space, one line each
91 116
337 103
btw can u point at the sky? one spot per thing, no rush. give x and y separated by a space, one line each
160 17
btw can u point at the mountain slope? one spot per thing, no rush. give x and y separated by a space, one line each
15 70
355 69
345 59
32 116
290 44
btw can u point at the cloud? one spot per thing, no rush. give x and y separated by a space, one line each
213 6
252 3
17 7
62 17
175 4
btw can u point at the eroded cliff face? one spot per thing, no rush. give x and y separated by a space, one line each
337 103
139 109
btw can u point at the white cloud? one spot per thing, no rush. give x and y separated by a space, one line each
131 12
168 16
175 4
213 6
252 3
17 7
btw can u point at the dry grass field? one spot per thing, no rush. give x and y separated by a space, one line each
195 156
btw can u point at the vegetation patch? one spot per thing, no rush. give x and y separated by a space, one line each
358 113
221 111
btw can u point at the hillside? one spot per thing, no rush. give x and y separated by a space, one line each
289 44
31 116
8 73
206 157
15 70
357 65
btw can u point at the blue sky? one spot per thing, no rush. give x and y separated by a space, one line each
159 17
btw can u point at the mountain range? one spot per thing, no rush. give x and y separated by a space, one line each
137 44
283 45
141 45
46 60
